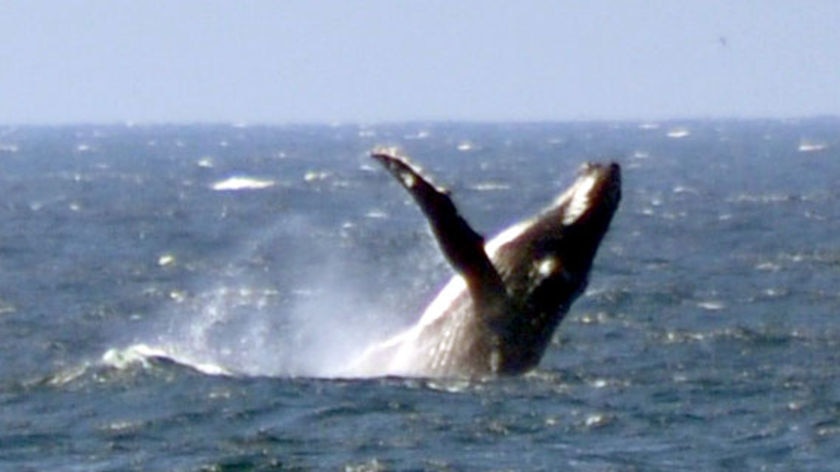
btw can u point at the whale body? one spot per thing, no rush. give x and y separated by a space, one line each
497 314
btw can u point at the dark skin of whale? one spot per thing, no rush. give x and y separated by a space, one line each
497 316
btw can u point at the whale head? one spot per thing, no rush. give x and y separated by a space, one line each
545 261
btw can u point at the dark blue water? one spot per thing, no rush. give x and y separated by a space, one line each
262 259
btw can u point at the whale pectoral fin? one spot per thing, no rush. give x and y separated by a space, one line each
462 246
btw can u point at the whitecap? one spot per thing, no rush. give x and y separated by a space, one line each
760 198
712 305
206 162
68 375
685 189
599 383
166 259
242 183
597 420
811 146
422 134
465 146
677 133
138 354
144 356
489 186
768 266
315 175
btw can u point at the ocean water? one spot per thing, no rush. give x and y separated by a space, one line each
181 298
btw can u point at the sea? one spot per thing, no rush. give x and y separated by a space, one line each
184 298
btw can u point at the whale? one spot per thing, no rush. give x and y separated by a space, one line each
498 313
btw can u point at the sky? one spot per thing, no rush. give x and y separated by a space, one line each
317 61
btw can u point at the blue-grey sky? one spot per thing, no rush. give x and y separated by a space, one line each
388 60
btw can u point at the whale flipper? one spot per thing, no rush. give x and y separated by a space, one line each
462 246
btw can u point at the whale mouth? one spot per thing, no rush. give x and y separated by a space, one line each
597 186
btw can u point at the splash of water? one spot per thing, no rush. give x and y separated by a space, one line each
244 325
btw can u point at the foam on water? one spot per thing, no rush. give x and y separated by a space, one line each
242 183
144 355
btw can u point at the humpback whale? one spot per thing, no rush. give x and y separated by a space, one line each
497 314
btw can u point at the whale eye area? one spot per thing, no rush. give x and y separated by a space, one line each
546 266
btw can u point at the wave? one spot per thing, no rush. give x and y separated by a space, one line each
145 356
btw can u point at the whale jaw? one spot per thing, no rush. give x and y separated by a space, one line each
497 315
